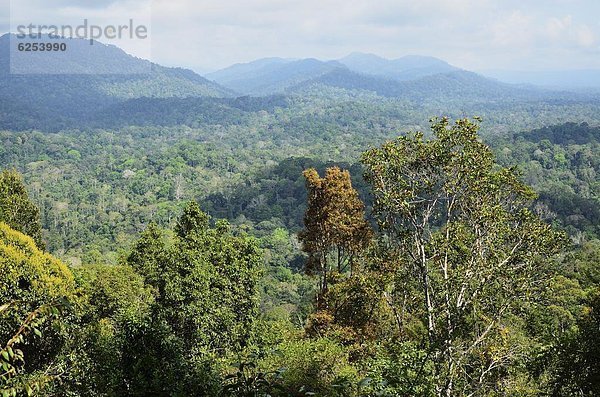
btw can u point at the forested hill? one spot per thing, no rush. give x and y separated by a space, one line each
564 134
163 236
456 86
272 75
161 298
247 172
413 78
56 101
107 68
275 75
562 162
193 111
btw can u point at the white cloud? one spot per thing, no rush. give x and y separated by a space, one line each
585 36
470 33
515 31
571 34
555 27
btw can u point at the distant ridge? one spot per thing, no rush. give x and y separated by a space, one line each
409 67
412 77
565 79
275 75
32 99
240 71
138 77
174 96
271 75
457 85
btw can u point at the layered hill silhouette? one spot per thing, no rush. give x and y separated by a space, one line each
276 75
145 93
409 67
457 85
412 77
33 100
271 75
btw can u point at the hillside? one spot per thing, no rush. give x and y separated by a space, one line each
242 71
175 96
43 100
457 87
581 79
272 75
414 78
421 218
191 111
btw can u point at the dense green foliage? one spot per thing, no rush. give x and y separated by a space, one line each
35 288
97 189
191 306
158 323
469 251
429 268
15 208
562 163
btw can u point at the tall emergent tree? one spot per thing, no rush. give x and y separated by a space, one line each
468 251
15 208
335 226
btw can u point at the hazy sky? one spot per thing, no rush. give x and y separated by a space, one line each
473 34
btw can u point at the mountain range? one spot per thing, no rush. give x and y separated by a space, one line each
414 78
277 75
32 100
93 93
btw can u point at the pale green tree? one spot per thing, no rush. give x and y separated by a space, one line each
466 250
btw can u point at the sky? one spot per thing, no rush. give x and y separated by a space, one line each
205 35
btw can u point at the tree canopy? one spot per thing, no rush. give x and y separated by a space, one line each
16 210
466 250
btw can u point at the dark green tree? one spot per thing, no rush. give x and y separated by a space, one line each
148 256
578 356
211 282
192 221
206 286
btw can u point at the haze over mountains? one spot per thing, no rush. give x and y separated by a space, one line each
130 77
39 100
277 75
565 79
410 77
271 75
96 97
406 68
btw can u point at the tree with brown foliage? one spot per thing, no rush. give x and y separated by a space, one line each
335 227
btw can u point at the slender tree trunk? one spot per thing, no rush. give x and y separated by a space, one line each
427 291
